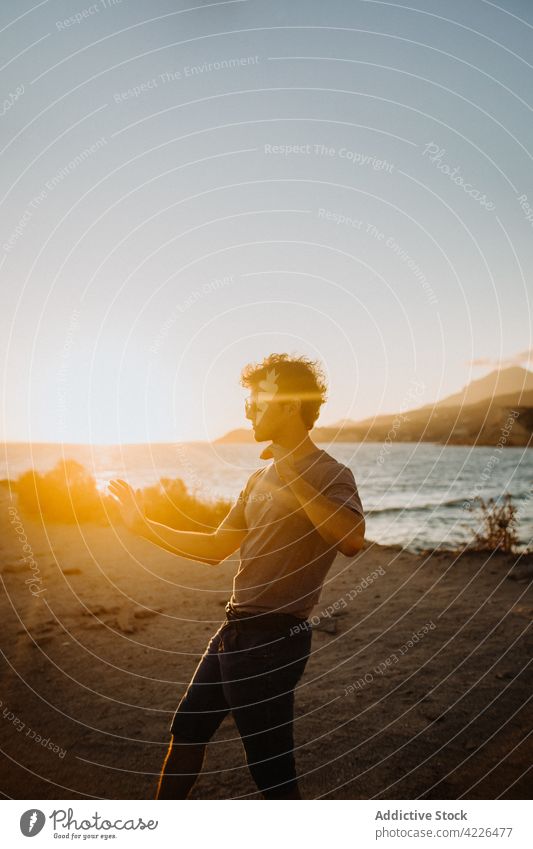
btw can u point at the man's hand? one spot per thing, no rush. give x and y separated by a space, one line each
337 524
283 462
129 502
210 548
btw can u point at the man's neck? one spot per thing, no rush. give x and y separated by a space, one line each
297 443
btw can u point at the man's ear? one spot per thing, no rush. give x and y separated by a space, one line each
293 407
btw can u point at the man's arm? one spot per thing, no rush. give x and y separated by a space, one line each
338 525
210 548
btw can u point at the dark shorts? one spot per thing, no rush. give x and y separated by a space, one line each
250 669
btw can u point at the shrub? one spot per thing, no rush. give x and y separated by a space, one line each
170 503
68 493
498 525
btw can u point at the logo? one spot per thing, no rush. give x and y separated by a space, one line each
268 389
31 822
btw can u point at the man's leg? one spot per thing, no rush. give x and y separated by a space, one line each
267 736
259 682
181 767
197 717
290 794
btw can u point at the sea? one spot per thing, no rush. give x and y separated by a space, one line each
417 495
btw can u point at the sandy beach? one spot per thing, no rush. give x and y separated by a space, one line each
418 685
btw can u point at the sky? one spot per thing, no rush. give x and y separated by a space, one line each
187 187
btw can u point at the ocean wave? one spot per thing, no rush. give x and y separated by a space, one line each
429 505
421 508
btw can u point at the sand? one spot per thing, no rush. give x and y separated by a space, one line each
99 648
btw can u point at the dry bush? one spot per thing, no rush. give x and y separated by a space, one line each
170 503
498 526
68 493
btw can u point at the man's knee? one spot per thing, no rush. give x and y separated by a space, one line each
182 765
179 746
184 758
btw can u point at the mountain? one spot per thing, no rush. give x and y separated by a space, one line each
477 415
500 382
504 419
239 435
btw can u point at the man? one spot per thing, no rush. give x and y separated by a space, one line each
289 521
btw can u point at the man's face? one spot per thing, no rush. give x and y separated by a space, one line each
266 414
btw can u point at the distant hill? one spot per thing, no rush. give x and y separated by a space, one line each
500 382
239 435
474 416
471 424
504 382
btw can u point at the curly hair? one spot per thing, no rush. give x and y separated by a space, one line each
294 377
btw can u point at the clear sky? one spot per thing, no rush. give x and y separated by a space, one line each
189 186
